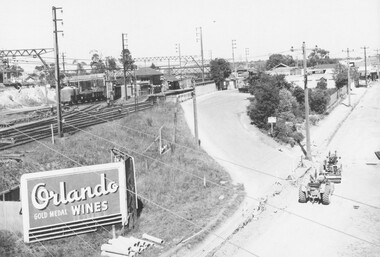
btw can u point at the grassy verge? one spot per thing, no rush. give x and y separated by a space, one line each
174 181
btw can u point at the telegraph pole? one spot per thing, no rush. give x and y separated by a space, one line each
178 50
348 75
307 125
57 76
378 63
63 62
195 114
233 54
200 38
365 64
124 45
246 56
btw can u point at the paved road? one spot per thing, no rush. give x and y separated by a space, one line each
335 230
225 133
338 229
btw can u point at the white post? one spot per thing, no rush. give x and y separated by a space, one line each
52 134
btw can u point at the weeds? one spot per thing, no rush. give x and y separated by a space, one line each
173 180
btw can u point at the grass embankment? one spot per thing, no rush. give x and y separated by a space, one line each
163 179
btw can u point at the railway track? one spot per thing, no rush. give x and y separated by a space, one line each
73 121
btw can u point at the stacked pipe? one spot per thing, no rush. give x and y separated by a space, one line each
72 122
128 247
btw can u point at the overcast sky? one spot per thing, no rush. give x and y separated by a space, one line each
155 26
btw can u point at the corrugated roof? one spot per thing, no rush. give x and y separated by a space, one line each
86 77
147 72
324 66
170 78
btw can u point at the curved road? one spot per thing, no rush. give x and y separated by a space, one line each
226 134
349 226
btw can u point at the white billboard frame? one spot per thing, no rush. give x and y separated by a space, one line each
115 189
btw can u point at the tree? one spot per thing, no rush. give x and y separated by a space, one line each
97 64
340 75
319 99
276 59
319 56
111 63
220 69
266 100
299 94
80 67
287 104
154 67
322 84
46 74
127 60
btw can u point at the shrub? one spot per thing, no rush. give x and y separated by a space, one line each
319 99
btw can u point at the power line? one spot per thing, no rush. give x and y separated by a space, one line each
215 157
156 204
214 183
365 64
273 206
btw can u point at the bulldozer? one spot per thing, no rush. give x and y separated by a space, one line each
316 189
333 168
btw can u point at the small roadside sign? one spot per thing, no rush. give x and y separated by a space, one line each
271 119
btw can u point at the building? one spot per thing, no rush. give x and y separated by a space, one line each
283 69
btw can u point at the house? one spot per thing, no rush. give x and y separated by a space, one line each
170 82
283 69
147 79
322 69
149 74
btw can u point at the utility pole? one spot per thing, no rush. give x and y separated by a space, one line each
348 76
178 50
125 46
63 62
195 114
135 84
57 76
200 38
233 54
365 64
246 57
307 125
378 63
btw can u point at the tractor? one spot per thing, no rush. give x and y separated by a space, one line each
333 168
317 189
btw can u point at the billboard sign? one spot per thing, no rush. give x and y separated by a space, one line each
72 201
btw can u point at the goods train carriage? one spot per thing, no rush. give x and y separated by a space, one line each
84 88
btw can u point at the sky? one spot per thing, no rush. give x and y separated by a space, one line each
154 27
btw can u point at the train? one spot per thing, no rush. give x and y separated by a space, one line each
84 88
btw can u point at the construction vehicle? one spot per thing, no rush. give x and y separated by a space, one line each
316 189
333 168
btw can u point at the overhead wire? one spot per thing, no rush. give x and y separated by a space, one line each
213 156
275 207
29 249
217 184
156 204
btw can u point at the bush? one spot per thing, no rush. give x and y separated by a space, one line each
299 94
319 99
322 84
